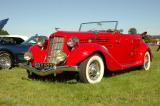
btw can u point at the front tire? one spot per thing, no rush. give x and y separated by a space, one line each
147 61
92 69
5 60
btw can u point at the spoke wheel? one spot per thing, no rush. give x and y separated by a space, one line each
5 60
92 69
147 61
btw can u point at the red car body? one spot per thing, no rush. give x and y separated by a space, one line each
118 51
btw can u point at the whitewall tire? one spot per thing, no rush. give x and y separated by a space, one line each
92 69
147 61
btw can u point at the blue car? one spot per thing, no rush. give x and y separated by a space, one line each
12 50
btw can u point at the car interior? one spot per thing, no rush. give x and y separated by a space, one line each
10 40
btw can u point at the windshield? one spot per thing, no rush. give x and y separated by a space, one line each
34 39
99 26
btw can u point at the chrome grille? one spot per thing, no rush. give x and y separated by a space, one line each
56 44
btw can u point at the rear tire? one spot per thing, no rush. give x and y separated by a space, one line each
92 69
147 61
5 60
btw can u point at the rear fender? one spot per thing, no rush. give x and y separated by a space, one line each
149 50
142 51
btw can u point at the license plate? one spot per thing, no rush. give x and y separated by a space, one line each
44 65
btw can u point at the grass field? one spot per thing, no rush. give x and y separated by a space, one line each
140 88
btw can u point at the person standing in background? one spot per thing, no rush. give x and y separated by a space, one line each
158 44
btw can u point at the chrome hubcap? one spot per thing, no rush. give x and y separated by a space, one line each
94 70
5 61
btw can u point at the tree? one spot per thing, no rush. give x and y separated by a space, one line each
132 31
147 39
3 32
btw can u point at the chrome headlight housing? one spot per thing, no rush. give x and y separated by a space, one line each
28 56
72 41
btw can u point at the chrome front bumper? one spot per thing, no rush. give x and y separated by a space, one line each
49 71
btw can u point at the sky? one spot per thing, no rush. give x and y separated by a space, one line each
30 17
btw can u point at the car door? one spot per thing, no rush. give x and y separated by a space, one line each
117 45
136 39
126 41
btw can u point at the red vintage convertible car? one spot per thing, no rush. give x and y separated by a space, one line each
95 48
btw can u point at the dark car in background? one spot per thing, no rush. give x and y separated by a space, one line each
12 50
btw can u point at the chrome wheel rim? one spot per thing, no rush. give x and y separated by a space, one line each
5 61
94 70
147 61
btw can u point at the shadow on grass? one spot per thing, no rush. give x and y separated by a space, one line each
119 72
66 77
73 77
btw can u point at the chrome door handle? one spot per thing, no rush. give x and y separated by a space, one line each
118 41
132 42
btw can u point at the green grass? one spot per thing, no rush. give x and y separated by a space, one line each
134 88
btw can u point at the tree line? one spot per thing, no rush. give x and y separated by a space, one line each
3 32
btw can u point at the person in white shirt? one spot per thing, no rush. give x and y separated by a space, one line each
158 44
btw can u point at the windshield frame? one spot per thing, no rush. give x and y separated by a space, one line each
116 24
33 38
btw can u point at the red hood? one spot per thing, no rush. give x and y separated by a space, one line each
69 34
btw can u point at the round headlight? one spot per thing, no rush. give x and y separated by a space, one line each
28 56
72 42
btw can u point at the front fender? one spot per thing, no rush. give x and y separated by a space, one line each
38 53
84 51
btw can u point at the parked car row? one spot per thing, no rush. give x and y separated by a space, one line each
13 47
97 47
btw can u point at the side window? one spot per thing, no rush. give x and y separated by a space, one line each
7 41
18 40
